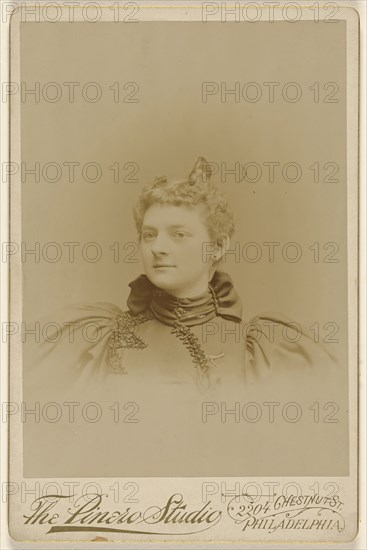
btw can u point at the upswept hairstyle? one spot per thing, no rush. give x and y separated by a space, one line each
197 191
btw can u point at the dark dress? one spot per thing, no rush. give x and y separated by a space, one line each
184 374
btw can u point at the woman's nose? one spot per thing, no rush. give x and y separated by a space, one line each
160 245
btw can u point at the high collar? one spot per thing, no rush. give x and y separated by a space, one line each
219 299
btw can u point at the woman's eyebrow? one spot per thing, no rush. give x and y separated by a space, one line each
173 226
178 226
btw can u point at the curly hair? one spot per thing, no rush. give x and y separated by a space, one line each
197 191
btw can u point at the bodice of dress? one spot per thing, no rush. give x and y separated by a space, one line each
177 361
199 341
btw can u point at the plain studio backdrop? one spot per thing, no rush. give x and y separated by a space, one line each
164 132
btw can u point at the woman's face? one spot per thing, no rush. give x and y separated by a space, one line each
173 252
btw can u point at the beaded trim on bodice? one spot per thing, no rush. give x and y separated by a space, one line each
123 336
147 302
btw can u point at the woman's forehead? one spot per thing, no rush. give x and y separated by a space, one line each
165 214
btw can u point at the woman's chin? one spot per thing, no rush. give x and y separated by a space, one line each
162 279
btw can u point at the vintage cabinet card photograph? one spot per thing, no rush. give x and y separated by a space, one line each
183 253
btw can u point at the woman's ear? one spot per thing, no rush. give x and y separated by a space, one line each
221 248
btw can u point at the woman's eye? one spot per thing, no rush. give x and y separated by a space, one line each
148 235
180 234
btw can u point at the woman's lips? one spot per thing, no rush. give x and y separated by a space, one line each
156 266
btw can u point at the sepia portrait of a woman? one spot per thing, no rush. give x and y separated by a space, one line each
209 334
183 266
182 349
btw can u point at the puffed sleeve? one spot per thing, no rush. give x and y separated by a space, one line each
80 343
275 343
